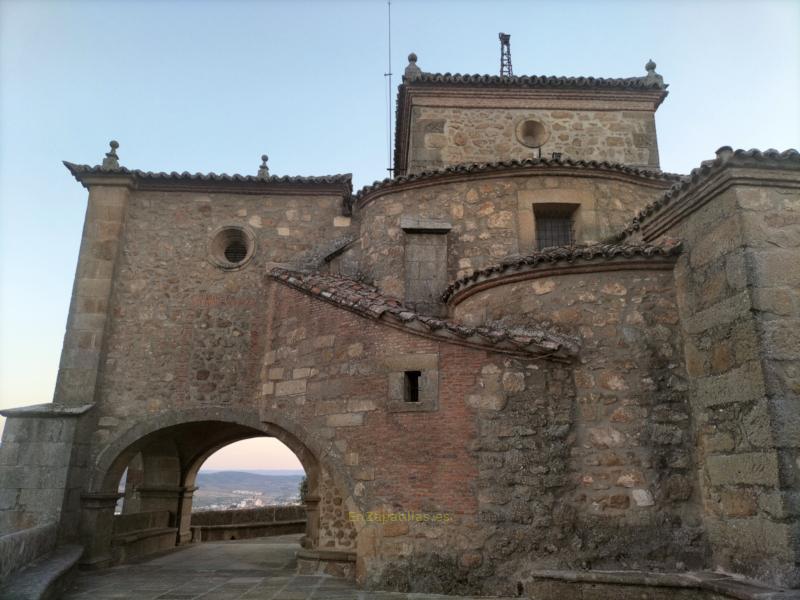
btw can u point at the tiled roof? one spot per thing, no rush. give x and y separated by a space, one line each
559 255
369 302
538 81
726 157
508 165
79 170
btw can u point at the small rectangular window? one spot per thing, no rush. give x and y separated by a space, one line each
411 389
554 225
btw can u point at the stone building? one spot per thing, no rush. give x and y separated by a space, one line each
527 360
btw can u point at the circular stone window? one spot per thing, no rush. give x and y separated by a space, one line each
231 247
532 133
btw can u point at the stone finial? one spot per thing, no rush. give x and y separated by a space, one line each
263 170
412 71
652 76
111 161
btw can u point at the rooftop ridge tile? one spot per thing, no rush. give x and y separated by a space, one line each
466 168
725 156
566 254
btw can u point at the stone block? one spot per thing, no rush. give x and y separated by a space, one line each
290 388
722 313
752 539
642 497
777 268
345 420
745 384
487 401
751 468
302 373
341 221
324 341
738 503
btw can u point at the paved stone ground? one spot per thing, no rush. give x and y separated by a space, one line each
262 568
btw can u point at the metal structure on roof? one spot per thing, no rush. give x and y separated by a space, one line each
505 55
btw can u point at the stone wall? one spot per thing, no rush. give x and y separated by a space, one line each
590 466
491 216
447 135
738 295
533 464
35 456
185 332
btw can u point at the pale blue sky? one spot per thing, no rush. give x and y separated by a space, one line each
210 86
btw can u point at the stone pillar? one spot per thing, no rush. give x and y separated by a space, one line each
91 291
185 515
738 292
97 528
160 497
311 540
35 460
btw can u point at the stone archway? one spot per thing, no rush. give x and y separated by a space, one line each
170 449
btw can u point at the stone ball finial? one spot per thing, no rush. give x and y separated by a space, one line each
111 161
412 71
652 78
263 170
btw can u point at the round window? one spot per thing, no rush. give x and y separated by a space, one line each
532 133
231 247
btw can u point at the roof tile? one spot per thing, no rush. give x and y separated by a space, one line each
369 302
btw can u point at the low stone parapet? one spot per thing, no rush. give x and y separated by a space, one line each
246 523
139 534
20 548
46 578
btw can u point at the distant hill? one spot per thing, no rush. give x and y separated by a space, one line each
224 488
258 471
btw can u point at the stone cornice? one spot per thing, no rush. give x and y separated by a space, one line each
516 168
368 302
564 261
46 411
731 167
340 185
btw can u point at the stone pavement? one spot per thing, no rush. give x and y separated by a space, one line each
262 568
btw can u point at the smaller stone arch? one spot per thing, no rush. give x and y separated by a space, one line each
175 444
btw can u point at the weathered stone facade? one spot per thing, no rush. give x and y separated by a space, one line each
475 413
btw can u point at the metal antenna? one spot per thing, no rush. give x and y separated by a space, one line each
389 93
505 55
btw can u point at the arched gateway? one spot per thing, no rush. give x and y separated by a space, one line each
495 375
162 456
